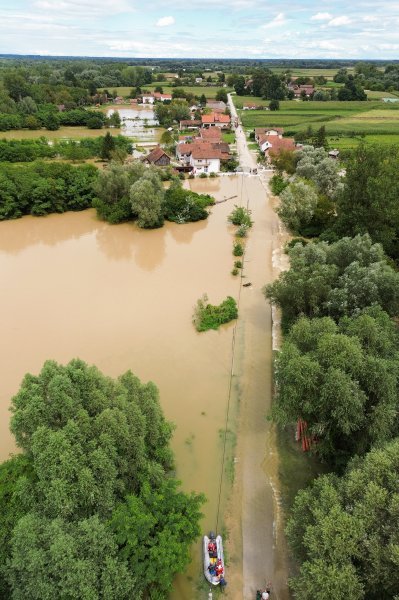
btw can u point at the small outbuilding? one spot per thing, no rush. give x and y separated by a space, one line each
157 157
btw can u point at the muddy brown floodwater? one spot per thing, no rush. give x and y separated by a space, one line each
123 298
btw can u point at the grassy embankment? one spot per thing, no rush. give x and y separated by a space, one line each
346 123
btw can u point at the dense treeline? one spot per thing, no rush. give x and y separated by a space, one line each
89 509
49 117
41 188
127 192
113 66
337 370
322 200
345 531
372 77
30 150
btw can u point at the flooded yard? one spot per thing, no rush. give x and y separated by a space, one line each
123 298
138 123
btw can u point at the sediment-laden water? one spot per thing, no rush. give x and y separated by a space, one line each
123 298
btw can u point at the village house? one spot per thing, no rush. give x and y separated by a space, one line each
216 106
265 131
148 99
162 97
203 157
301 90
216 120
273 145
119 100
157 157
213 134
252 106
190 124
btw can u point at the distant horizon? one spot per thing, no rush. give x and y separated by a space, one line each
197 58
295 29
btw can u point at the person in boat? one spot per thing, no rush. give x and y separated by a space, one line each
219 568
212 550
212 570
265 595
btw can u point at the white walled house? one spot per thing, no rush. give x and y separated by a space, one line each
204 162
264 145
148 99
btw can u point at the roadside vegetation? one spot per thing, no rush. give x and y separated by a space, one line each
336 375
90 504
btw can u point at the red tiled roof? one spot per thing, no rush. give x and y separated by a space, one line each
213 133
215 118
159 96
203 149
278 144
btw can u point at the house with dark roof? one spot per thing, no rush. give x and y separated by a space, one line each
157 157
301 90
190 124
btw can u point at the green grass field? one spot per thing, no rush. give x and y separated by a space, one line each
327 73
348 121
197 90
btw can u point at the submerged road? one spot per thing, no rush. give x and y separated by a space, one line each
257 482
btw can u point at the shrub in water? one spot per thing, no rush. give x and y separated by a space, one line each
238 264
207 316
234 271
238 249
242 231
240 216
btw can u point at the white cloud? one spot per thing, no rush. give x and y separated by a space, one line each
165 21
321 17
276 22
87 8
339 21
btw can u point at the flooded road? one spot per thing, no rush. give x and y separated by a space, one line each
123 298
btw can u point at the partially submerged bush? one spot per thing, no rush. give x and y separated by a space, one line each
240 216
207 316
242 231
238 249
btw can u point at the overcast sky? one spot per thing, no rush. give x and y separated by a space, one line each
201 28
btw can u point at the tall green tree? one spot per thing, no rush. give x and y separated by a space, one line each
343 380
335 280
107 146
368 202
90 510
147 197
344 531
